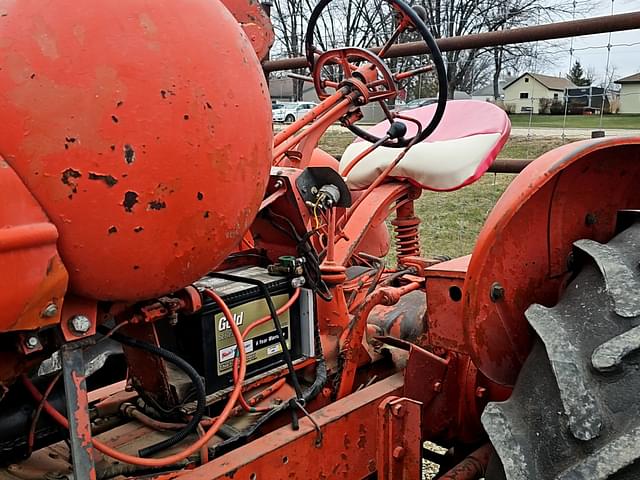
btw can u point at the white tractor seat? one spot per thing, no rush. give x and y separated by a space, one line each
457 153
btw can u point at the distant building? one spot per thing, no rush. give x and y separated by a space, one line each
281 90
486 93
630 93
524 92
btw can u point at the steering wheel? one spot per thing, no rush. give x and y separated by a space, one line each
372 77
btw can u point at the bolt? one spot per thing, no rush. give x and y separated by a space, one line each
32 342
590 219
397 410
480 391
297 282
49 311
398 453
437 387
279 184
496 292
80 324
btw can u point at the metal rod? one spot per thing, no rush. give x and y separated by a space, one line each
573 28
508 165
500 165
75 389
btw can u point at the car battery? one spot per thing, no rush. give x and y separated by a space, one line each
206 340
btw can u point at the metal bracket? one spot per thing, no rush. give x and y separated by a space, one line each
75 388
399 453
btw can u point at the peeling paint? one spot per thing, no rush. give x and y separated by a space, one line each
109 180
130 199
129 154
156 205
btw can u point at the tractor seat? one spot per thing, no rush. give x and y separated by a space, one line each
457 153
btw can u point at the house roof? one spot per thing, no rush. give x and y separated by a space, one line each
635 78
488 89
552 83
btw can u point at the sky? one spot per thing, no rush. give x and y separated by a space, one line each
625 59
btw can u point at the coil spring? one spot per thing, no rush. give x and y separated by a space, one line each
407 238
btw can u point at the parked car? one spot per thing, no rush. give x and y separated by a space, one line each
290 112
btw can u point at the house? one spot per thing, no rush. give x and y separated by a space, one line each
523 93
630 93
486 93
281 90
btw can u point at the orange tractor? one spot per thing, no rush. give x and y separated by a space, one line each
185 295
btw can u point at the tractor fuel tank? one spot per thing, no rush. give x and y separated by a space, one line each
126 121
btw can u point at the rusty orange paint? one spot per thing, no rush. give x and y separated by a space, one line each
33 277
348 448
255 23
122 119
526 240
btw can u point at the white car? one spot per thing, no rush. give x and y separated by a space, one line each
290 112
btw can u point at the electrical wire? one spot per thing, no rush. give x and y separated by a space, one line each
194 447
31 438
274 316
193 375
246 405
308 395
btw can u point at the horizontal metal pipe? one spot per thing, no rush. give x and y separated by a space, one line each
573 28
500 165
508 165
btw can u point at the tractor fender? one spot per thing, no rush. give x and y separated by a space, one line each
523 253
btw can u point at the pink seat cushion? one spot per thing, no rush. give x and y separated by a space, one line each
457 153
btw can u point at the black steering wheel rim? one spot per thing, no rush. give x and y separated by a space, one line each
438 62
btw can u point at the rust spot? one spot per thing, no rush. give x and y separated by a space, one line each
119 104
138 229
70 139
136 267
156 205
33 75
185 116
206 214
68 178
68 174
200 195
362 438
112 147
112 229
114 119
130 199
208 105
109 180
163 93
80 411
129 154
346 442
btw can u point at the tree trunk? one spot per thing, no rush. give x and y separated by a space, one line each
497 60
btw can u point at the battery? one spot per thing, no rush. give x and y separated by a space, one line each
206 340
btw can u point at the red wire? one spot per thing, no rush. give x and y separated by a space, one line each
32 430
202 441
241 400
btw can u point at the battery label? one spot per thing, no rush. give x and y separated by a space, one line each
263 341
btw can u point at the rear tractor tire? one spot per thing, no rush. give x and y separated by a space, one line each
575 410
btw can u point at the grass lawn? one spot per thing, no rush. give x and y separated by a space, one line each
451 221
576 121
